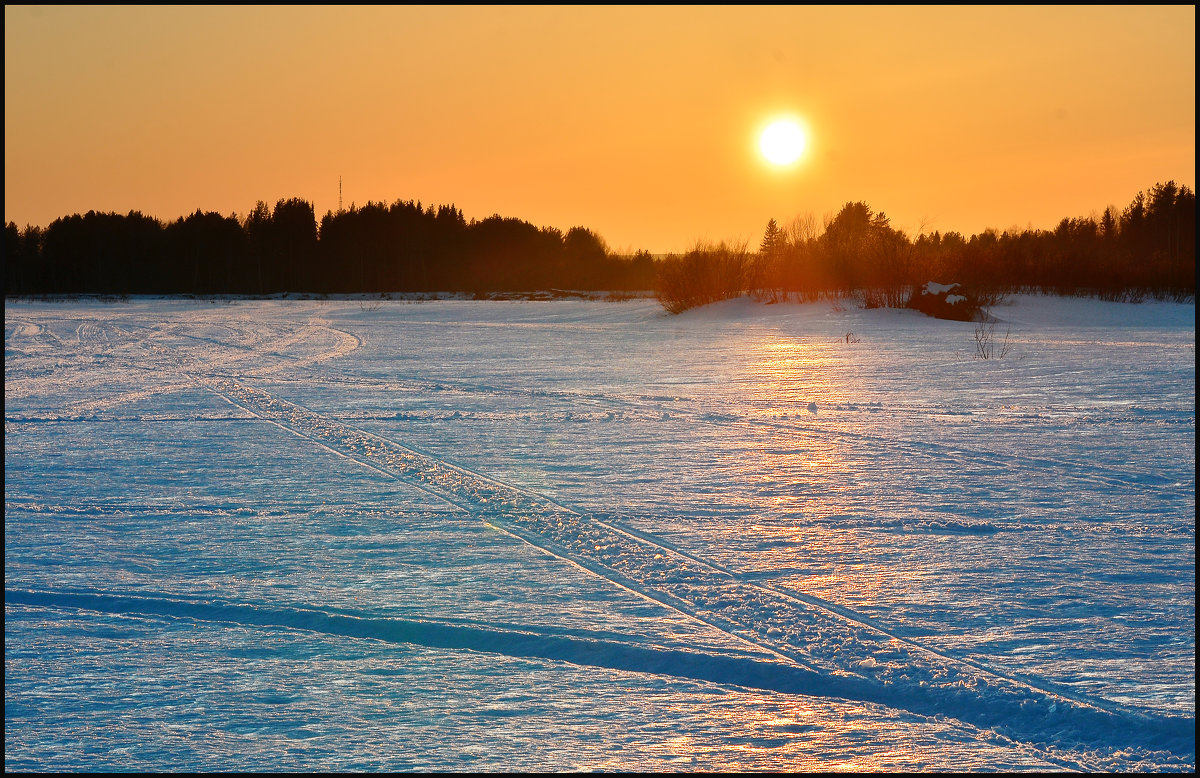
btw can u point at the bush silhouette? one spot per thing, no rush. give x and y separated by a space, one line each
705 274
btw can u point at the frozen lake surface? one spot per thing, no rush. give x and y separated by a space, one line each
580 535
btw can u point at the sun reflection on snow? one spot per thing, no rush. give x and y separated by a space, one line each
790 382
789 375
795 734
807 482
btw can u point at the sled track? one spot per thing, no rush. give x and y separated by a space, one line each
867 662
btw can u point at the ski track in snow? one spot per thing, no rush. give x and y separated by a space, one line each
861 660
115 341
822 648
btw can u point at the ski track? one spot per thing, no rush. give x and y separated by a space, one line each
873 664
822 648
106 336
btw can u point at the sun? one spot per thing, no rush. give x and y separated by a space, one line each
783 141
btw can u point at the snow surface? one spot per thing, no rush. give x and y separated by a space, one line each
578 535
935 288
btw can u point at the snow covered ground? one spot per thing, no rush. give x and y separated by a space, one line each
571 534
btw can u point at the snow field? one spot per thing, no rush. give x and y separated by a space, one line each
737 496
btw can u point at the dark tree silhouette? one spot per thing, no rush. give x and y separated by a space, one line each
1146 248
205 253
585 262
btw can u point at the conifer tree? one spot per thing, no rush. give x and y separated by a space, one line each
772 242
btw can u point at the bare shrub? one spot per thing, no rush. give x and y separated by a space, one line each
985 338
705 274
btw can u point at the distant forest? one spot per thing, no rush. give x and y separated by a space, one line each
375 248
1147 248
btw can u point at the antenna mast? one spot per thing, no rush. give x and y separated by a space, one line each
339 194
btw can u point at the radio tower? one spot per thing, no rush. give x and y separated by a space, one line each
339 194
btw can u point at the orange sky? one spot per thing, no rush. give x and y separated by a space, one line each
638 122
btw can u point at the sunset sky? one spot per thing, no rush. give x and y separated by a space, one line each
640 123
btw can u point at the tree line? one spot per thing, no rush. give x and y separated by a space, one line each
401 247
1146 248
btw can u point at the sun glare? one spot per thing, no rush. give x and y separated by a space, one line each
782 142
